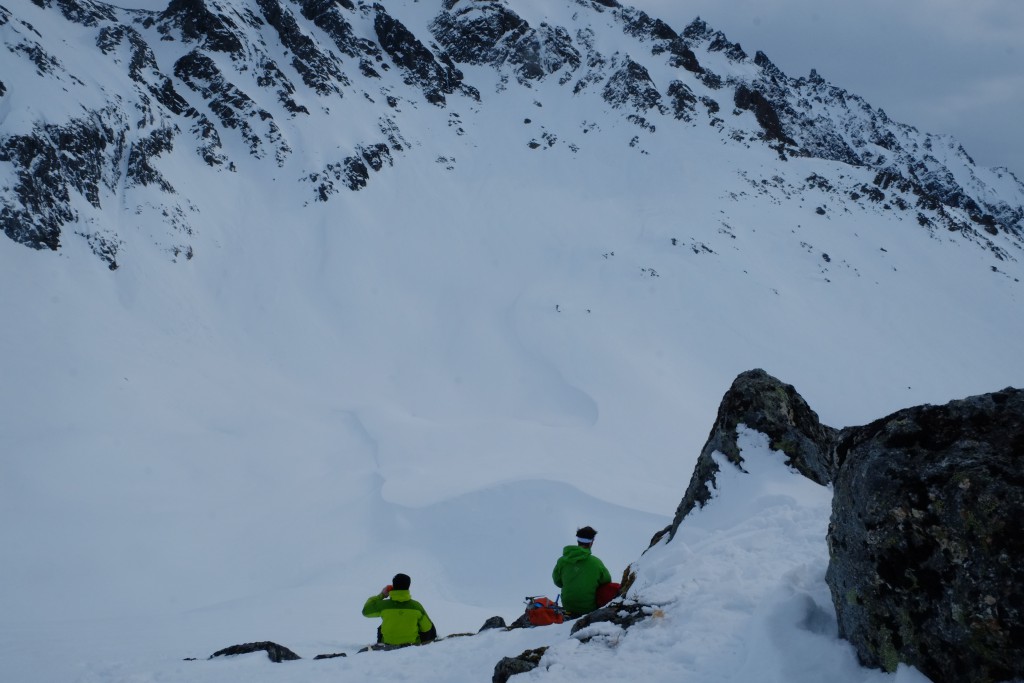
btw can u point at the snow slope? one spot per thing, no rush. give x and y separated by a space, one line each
738 595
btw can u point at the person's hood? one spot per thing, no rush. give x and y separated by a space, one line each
400 595
575 553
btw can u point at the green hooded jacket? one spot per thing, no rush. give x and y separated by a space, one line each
402 618
578 574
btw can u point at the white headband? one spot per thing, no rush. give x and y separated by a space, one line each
586 541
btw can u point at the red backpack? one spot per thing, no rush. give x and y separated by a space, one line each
541 611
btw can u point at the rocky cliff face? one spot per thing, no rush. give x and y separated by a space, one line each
763 403
926 536
231 87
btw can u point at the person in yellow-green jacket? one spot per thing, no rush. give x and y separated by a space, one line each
403 620
579 574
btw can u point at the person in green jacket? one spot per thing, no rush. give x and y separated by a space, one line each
403 620
578 573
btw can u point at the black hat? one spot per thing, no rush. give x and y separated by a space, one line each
401 582
585 536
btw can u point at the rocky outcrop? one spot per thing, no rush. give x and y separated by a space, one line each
631 86
927 527
752 100
195 22
418 63
699 32
276 653
684 102
620 614
55 161
493 623
520 664
474 32
319 69
762 403
927 536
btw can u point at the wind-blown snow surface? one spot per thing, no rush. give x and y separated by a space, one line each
738 595
445 374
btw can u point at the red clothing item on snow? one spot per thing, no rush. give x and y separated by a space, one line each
606 592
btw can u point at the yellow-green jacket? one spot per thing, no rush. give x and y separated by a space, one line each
402 618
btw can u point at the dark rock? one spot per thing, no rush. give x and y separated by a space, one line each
492 623
683 56
84 13
320 70
768 66
479 33
197 24
331 656
927 536
105 247
383 647
142 56
733 51
48 164
353 172
684 102
620 614
711 80
449 637
641 25
327 16
631 85
764 112
376 155
233 107
762 403
140 170
415 60
491 33
699 31
276 653
510 666
522 621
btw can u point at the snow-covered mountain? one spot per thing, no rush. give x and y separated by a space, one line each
299 294
111 112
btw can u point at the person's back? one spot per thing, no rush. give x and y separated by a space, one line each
403 620
578 573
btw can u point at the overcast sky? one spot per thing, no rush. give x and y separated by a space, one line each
943 66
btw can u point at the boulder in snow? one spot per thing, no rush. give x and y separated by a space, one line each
510 666
276 653
926 539
764 404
